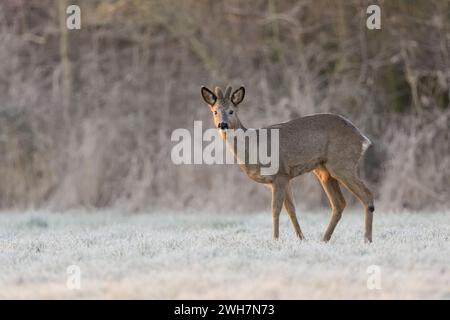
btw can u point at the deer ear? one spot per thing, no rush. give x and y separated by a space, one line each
238 96
209 97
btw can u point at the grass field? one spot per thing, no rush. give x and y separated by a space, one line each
174 256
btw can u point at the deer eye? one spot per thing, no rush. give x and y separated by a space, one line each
215 112
231 112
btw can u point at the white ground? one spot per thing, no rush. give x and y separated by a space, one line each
189 256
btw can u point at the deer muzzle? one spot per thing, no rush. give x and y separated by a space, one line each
222 125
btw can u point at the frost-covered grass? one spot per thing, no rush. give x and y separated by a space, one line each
171 256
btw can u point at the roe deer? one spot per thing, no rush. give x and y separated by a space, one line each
327 144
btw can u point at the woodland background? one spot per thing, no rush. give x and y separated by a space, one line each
86 115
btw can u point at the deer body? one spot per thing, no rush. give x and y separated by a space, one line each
327 144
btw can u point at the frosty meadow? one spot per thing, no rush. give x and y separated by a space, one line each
123 256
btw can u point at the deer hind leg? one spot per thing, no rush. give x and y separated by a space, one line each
335 197
351 180
278 195
290 208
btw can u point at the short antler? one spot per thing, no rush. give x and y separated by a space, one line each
219 93
228 93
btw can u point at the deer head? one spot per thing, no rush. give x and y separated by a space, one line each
224 106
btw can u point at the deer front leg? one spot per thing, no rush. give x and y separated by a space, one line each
278 194
290 208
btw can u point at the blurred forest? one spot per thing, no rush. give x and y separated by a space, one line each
86 115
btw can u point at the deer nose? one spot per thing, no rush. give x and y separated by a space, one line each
223 125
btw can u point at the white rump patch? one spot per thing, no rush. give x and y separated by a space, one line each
366 143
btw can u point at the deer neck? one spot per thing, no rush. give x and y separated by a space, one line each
240 125
232 141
